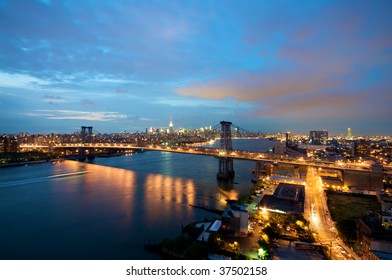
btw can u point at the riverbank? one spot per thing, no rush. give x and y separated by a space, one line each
13 159
114 209
22 159
23 163
209 209
187 246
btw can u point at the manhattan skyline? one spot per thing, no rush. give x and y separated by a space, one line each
130 65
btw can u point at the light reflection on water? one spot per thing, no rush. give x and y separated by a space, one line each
73 210
90 212
168 196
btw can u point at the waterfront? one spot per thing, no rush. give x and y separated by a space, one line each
110 209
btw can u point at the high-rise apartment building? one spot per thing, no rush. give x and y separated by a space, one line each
318 137
289 139
9 144
349 134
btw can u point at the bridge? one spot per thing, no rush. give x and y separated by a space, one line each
226 154
233 154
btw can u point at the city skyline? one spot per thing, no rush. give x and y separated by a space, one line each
127 66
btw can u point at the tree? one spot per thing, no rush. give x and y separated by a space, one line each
196 251
272 231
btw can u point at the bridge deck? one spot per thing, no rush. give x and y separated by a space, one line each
235 154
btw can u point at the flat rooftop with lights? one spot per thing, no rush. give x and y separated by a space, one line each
288 198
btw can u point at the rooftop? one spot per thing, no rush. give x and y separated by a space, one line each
208 228
286 198
290 192
289 179
228 213
274 203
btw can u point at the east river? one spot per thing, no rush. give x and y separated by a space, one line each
110 208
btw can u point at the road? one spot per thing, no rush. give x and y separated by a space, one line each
316 211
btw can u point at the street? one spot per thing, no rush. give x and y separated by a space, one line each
316 211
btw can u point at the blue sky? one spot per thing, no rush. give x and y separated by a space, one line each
266 66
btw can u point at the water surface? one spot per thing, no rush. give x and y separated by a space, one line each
109 209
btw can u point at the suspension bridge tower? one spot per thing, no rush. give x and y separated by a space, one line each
226 170
87 137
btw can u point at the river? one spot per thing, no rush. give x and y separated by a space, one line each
110 208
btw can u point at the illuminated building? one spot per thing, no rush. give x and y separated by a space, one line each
349 134
385 200
235 220
9 144
375 236
171 126
2 144
289 139
318 137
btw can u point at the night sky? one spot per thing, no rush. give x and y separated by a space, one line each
266 66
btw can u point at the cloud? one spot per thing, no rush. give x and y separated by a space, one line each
249 86
121 91
313 107
323 69
55 99
86 102
30 83
180 101
194 60
20 81
139 40
109 80
332 107
78 115
38 115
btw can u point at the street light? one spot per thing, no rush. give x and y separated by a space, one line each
261 253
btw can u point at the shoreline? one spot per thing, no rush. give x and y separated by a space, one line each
31 162
22 163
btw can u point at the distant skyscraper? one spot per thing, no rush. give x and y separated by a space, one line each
288 139
349 135
171 126
3 144
9 144
318 137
